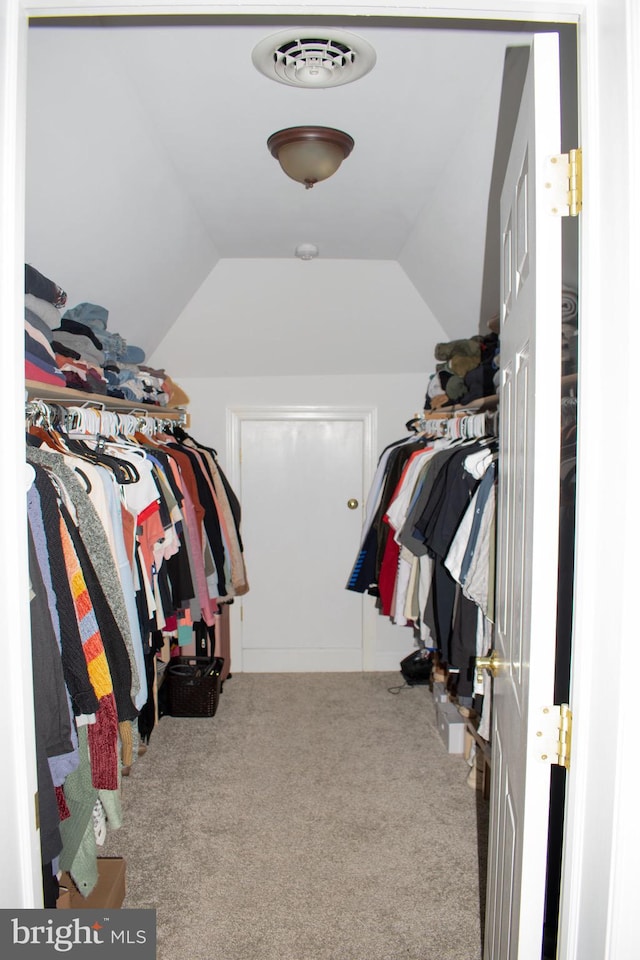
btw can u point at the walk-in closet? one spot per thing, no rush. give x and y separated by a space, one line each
294 365
305 651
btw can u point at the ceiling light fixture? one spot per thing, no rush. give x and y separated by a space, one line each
310 154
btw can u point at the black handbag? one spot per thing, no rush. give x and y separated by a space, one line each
416 668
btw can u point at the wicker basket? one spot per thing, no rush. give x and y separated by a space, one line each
194 686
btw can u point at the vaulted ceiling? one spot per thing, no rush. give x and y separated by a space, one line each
150 188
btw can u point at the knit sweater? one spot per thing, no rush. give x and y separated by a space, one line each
74 665
103 734
95 540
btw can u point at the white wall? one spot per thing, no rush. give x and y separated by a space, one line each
396 398
356 332
97 181
439 253
287 317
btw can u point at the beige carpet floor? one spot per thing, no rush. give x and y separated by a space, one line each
315 817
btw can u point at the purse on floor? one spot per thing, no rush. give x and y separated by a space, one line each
416 668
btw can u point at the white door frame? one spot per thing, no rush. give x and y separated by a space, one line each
19 883
235 417
603 833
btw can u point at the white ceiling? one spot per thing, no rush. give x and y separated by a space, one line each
147 162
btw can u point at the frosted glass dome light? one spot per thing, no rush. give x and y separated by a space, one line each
310 154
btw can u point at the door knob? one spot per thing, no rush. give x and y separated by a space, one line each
492 663
352 503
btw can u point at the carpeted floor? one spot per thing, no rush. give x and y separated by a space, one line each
315 817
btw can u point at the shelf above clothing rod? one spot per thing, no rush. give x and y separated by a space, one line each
568 385
479 405
78 398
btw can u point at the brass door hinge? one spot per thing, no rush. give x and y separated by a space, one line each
553 735
563 181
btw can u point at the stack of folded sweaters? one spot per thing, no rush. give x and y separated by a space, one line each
42 303
75 349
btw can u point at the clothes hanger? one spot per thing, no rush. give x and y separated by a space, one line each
84 425
123 471
182 436
106 428
44 422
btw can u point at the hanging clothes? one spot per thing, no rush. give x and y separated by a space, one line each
134 541
428 543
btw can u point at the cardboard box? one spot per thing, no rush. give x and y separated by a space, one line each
64 898
451 726
108 892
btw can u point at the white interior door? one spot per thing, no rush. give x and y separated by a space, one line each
528 519
297 476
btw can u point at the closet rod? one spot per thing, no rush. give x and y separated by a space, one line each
472 425
568 387
77 398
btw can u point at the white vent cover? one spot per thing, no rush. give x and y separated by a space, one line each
308 58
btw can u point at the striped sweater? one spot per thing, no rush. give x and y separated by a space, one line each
103 734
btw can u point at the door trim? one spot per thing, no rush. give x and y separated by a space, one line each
22 884
368 417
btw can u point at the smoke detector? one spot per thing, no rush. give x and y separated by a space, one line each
307 251
307 58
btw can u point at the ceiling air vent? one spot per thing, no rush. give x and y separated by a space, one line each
303 59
